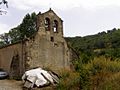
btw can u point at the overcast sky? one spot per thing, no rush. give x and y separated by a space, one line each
81 17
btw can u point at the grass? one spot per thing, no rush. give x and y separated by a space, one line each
69 80
102 70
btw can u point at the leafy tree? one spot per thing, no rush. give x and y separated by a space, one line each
14 34
25 29
22 31
28 26
1 44
5 38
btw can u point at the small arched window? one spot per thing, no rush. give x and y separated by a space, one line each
47 24
55 26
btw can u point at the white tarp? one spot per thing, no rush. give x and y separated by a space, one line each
38 76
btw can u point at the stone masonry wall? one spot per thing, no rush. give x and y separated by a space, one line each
11 59
44 53
48 49
45 49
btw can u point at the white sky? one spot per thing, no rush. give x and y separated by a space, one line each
81 17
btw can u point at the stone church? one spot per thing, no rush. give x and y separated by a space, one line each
47 48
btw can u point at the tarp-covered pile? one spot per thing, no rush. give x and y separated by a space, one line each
39 77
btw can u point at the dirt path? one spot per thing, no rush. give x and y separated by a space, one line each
10 85
16 85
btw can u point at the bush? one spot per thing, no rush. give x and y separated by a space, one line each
103 64
99 74
69 81
83 74
111 83
101 69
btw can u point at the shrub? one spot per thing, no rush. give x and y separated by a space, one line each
83 74
111 83
103 64
101 73
101 69
69 81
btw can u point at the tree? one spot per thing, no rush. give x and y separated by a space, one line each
14 34
25 29
22 31
28 26
5 39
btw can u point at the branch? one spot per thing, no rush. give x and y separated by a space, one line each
0 2
6 3
1 12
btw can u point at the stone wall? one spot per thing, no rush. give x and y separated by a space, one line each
46 49
11 59
44 53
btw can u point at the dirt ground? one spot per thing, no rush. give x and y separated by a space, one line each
16 85
10 85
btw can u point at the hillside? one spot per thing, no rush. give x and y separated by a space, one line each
103 43
97 60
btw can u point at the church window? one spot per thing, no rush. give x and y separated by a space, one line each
55 26
52 39
47 24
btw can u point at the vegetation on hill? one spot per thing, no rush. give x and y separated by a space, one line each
100 73
97 61
104 43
